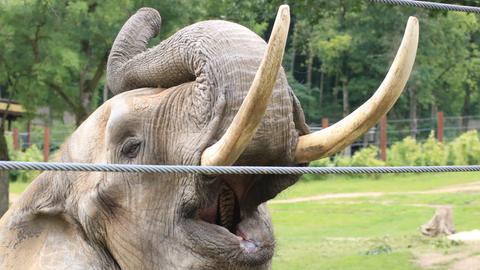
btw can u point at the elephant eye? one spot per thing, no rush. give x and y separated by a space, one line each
131 147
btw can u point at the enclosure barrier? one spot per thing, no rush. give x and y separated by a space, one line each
216 170
430 5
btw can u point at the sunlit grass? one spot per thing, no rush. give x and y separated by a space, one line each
339 233
385 183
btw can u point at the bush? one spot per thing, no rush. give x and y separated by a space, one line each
340 160
30 154
324 162
367 156
434 153
405 153
465 149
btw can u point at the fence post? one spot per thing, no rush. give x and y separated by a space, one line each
383 138
440 126
15 138
324 122
46 143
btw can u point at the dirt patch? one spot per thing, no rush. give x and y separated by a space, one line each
431 260
470 187
330 196
472 263
466 259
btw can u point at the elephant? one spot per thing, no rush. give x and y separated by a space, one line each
214 93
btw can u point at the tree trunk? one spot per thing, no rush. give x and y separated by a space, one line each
413 111
309 69
440 223
4 185
434 110
4 176
346 103
80 116
433 115
335 90
346 111
322 85
466 108
292 64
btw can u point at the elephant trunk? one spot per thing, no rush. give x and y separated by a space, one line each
131 41
219 59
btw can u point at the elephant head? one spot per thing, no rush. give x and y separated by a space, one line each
214 93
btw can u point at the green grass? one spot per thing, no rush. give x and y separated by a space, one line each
339 233
345 184
338 236
18 187
385 183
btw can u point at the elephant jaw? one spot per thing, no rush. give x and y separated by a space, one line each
225 210
241 236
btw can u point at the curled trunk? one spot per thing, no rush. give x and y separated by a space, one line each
220 60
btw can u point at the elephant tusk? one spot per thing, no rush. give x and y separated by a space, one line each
336 137
245 123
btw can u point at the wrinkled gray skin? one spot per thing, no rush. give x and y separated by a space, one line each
187 90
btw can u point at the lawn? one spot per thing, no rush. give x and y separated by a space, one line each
386 183
366 232
18 187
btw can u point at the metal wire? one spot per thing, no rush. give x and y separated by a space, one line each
213 170
430 5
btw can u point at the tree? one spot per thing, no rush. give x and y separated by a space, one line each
54 53
65 46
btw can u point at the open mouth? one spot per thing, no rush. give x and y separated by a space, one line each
225 211
225 229
229 221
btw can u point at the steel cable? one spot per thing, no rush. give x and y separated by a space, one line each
213 170
430 5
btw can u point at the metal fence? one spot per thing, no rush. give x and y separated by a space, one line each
396 130
450 127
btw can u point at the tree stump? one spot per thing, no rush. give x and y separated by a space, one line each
440 223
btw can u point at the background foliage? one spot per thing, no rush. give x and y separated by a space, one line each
53 53
463 150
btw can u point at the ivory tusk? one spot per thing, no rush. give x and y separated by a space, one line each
245 123
336 137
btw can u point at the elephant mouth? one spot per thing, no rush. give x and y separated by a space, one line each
224 211
226 231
